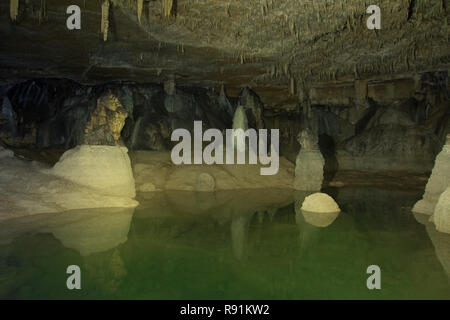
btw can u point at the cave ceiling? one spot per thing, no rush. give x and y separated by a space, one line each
278 48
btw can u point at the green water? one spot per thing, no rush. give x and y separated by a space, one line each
231 245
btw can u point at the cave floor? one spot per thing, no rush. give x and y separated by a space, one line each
353 178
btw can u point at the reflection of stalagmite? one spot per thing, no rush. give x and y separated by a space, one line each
306 230
239 226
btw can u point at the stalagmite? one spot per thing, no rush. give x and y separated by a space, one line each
140 6
14 9
105 19
240 122
310 162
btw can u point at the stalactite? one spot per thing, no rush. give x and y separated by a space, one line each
42 11
167 7
14 9
140 6
292 87
105 19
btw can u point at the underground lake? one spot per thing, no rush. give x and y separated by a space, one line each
229 245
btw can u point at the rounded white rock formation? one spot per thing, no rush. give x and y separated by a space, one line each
106 169
441 216
320 203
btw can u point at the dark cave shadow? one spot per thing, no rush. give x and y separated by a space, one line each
327 147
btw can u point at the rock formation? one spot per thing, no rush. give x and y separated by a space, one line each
107 121
87 177
14 9
437 183
320 203
104 168
316 218
240 122
157 168
105 19
309 163
253 108
441 215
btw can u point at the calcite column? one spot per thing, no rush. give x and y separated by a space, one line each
309 163
437 183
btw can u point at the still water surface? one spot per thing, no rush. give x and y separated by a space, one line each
229 245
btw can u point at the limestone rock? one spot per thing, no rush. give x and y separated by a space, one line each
157 168
205 183
30 188
437 183
309 170
107 121
240 122
253 107
389 146
441 216
321 203
104 168
5 153
309 163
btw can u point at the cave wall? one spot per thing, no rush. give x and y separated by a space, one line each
359 132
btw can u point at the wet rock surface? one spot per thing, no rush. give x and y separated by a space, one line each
30 187
437 183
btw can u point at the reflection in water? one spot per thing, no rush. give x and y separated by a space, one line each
227 245
239 229
87 231
107 273
441 241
